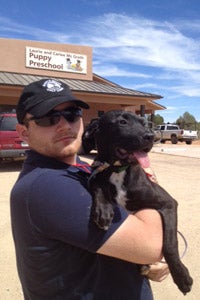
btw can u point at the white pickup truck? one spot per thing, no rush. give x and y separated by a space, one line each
173 133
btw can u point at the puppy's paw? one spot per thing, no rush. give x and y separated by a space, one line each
185 284
183 279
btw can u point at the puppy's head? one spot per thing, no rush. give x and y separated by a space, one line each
119 134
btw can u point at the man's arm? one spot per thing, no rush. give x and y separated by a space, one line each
138 239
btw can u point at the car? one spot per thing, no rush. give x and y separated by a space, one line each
173 133
11 145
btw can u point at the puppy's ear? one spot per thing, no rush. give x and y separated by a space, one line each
91 129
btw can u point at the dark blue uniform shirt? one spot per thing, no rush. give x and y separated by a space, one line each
56 241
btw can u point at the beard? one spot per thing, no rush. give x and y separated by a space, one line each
67 152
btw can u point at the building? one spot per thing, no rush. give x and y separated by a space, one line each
23 61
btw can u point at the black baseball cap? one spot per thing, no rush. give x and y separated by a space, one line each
40 97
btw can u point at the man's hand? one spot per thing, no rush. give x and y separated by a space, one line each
158 272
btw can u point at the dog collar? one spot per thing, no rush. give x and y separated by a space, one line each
101 166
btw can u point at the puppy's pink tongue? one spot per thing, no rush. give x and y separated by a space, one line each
142 158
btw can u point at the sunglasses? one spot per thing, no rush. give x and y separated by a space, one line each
71 114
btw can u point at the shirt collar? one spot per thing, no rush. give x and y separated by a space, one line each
36 159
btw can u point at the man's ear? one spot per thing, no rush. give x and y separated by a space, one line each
22 131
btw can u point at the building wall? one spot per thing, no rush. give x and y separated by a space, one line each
95 109
13 55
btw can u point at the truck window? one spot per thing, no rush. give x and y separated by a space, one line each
8 123
171 127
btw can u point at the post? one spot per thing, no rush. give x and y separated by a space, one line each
142 110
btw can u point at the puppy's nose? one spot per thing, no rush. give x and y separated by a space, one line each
148 136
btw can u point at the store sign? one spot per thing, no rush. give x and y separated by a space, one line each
55 60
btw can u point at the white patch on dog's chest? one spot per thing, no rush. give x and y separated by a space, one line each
117 180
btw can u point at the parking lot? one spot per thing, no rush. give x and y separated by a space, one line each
180 149
178 170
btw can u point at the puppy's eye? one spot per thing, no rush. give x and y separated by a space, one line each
122 122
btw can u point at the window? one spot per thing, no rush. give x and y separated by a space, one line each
8 123
171 127
100 113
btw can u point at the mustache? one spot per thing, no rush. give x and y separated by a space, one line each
66 134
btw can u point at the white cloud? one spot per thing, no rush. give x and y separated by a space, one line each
187 90
139 41
115 71
171 108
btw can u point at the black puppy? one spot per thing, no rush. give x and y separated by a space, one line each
119 175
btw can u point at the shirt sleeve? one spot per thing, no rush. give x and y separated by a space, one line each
59 208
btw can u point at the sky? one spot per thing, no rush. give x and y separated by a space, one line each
147 45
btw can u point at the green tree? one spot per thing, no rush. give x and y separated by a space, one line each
187 121
156 119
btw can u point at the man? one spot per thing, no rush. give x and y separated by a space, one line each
60 252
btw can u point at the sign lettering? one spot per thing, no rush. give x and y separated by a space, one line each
56 60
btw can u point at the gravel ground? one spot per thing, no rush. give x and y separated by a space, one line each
178 170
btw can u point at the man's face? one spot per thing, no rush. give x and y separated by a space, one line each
61 140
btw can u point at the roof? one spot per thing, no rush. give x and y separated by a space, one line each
95 86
